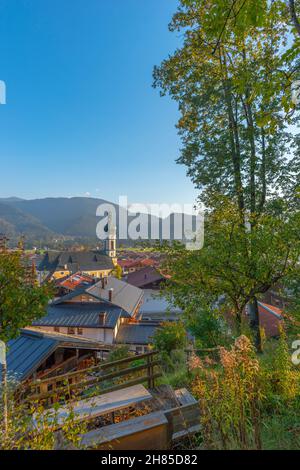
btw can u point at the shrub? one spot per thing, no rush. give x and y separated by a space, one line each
120 352
230 399
31 426
171 336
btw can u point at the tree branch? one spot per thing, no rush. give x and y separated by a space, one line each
294 15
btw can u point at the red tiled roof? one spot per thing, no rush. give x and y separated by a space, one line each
149 262
126 263
130 263
76 280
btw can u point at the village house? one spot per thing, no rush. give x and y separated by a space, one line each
36 354
100 312
271 319
56 265
146 278
131 265
68 284
156 307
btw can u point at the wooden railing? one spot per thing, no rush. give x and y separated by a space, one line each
58 369
102 376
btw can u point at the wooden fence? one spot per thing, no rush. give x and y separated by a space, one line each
103 376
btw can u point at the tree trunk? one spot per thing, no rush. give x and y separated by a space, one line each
255 324
251 137
234 138
263 172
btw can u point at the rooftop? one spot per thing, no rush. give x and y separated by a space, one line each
75 280
136 333
75 261
144 276
27 352
81 315
139 261
122 294
155 303
271 319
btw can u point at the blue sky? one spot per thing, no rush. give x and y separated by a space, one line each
81 114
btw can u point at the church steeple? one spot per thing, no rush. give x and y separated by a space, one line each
111 240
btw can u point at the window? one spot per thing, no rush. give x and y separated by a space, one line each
139 349
79 331
71 331
56 328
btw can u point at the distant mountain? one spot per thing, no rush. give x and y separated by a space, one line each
11 199
44 219
14 222
68 216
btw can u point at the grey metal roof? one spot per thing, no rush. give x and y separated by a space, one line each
75 293
27 352
75 261
144 277
155 303
81 315
136 334
124 295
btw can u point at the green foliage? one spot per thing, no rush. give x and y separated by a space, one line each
120 352
234 266
173 361
177 379
280 429
230 399
171 336
34 427
283 385
231 78
21 299
232 86
174 368
249 402
207 326
117 272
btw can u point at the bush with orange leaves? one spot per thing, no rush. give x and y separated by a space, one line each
230 397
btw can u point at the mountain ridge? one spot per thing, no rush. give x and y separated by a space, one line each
44 219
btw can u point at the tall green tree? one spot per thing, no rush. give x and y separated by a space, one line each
21 299
225 275
231 78
234 104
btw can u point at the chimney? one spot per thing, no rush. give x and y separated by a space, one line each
102 317
110 294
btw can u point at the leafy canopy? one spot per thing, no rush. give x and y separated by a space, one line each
21 299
